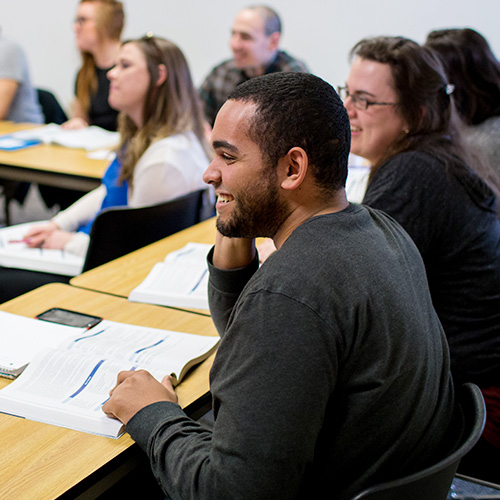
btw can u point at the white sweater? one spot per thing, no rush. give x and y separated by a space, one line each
169 168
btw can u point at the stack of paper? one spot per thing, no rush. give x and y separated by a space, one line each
88 138
181 280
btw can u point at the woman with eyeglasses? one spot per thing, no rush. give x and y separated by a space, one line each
403 120
98 27
162 156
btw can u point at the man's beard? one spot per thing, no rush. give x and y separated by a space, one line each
257 214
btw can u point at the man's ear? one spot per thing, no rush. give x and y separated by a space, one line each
162 74
293 168
274 41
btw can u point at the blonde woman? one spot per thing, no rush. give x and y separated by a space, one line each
98 26
162 156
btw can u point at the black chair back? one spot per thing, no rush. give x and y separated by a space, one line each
51 109
434 482
118 231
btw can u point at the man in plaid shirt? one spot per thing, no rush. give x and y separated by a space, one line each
254 42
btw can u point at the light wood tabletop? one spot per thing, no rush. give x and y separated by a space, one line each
50 164
43 461
119 277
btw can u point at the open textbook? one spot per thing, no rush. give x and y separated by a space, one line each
67 385
88 138
22 338
181 280
14 252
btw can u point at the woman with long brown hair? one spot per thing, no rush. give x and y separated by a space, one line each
403 120
162 156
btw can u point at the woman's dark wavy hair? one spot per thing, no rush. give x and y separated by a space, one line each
474 70
300 109
425 101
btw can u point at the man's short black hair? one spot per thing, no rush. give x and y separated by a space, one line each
300 109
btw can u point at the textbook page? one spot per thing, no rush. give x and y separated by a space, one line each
67 385
161 351
181 280
14 252
65 389
22 338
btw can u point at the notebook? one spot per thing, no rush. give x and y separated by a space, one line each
10 143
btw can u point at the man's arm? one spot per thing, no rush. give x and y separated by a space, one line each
233 253
11 75
136 390
232 262
8 89
271 382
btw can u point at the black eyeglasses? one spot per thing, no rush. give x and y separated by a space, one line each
360 102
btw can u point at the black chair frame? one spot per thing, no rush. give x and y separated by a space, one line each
118 231
433 483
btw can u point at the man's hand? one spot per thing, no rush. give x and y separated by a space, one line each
233 253
265 249
134 391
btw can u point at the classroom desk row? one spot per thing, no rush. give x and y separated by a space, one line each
119 277
47 462
49 164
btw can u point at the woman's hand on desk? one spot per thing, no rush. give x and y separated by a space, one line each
134 391
47 236
39 233
57 240
75 124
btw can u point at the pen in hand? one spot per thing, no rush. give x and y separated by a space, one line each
24 240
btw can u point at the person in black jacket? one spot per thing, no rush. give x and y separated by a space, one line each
403 120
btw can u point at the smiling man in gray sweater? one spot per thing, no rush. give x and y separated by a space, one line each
333 369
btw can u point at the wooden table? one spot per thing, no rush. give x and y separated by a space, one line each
49 164
40 461
119 277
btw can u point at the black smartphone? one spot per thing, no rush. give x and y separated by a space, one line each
70 318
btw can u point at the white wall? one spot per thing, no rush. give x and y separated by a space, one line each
321 32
